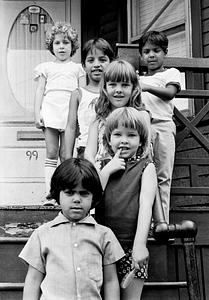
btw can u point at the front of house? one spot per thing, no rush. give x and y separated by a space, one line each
23 25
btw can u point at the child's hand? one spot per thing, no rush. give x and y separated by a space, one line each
39 122
144 86
140 255
116 163
98 165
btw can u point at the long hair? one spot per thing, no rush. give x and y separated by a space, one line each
74 171
68 31
129 117
118 70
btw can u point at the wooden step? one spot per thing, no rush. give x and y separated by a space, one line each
18 222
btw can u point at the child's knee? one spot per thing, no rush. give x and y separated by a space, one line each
52 153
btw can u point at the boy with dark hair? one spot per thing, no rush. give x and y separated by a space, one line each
159 87
72 256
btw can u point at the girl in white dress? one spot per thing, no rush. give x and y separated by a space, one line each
55 82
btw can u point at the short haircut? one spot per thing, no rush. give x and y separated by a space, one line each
98 43
129 117
157 38
72 172
118 70
68 31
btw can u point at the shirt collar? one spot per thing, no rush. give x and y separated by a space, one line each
61 219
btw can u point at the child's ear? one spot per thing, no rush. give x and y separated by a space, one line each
166 51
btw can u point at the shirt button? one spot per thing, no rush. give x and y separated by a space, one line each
75 245
78 269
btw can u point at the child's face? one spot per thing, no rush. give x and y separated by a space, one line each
119 93
95 64
153 56
127 139
62 47
76 203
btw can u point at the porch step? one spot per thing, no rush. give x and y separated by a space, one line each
17 224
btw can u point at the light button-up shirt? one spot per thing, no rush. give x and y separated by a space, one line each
71 256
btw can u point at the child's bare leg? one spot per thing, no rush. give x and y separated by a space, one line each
52 150
62 147
133 291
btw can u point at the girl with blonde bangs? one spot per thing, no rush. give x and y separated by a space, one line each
129 182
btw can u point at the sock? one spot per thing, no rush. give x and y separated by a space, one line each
50 166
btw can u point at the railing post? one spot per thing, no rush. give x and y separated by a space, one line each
191 268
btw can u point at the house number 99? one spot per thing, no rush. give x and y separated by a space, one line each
31 154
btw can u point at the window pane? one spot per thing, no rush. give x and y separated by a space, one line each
26 49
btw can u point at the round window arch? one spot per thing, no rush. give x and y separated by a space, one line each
26 49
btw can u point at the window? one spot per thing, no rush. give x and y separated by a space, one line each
26 49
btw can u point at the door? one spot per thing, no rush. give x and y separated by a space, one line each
23 28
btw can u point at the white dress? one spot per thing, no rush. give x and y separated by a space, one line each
61 80
86 114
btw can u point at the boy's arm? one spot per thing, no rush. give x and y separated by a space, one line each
70 130
33 281
111 284
166 94
146 200
38 101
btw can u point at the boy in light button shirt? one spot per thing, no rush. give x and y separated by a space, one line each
72 256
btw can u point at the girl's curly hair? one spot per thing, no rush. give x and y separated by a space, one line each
118 70
67 30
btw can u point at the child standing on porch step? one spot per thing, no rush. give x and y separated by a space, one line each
96 56
72 256
56 81
159 87
129 181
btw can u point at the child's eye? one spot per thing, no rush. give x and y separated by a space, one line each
69 192
158 50
85 193
90 60
103 59
125 84
132 135
66 42
116 134
145 51
112 84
